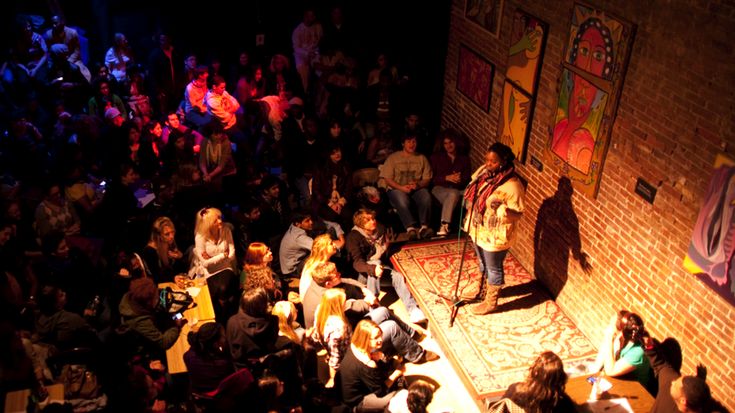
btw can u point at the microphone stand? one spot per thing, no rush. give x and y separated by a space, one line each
456 300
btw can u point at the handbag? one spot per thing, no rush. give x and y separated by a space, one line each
175 301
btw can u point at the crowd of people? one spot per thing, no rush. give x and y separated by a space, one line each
122 173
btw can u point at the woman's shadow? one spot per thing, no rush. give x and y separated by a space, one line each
555 237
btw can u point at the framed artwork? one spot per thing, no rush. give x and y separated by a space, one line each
711 253
486 13
515 118
595 61
525 55
475 77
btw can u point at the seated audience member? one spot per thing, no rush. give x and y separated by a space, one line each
216 161
104 99
252 333
415 399
55 214
324 276
173 127
331 187
367 377
685 393
195 107
64 329
257 256
214 259
332 330
255 343
263 277
451 169
621 351
297 243
222 106
274 213
118 205
408 175
287 325
321 251
208 360
162 257
246 220
138 311
366 246
543 389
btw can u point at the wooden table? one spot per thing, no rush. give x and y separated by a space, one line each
17 401
578 388
202 313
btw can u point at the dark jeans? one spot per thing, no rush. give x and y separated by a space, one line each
491 265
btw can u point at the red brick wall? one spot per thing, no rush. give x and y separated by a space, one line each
676 112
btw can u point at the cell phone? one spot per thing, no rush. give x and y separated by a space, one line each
591 379
177 316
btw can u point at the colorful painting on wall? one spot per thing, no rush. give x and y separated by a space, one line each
486 13
578 123
515 117
525 56
711 253
593 71
475 77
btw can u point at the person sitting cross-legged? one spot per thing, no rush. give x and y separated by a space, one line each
366 245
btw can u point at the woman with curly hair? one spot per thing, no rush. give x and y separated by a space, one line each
258 256
543 389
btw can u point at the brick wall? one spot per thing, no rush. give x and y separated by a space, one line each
676 112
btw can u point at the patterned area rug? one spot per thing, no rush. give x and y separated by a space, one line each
493 351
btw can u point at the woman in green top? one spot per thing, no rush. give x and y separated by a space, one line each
621 352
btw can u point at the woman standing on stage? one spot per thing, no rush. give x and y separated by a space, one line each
494 200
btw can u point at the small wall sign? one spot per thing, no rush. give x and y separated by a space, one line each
645 190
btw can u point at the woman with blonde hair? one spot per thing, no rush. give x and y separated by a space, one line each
321 251
332 331
161 255
287 325
366 382
214 259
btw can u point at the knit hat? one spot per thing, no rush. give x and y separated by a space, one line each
112 113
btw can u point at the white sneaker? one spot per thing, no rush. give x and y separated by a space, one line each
443 230
417 316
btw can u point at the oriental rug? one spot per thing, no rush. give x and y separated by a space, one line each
489 352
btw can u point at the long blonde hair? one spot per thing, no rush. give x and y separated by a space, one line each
286 313
321 251
363 334
162 248
206 217
332 304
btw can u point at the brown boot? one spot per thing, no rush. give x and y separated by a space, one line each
490 303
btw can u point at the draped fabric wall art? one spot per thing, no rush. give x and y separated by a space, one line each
711 253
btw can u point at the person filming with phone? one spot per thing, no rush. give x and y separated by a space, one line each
140 313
